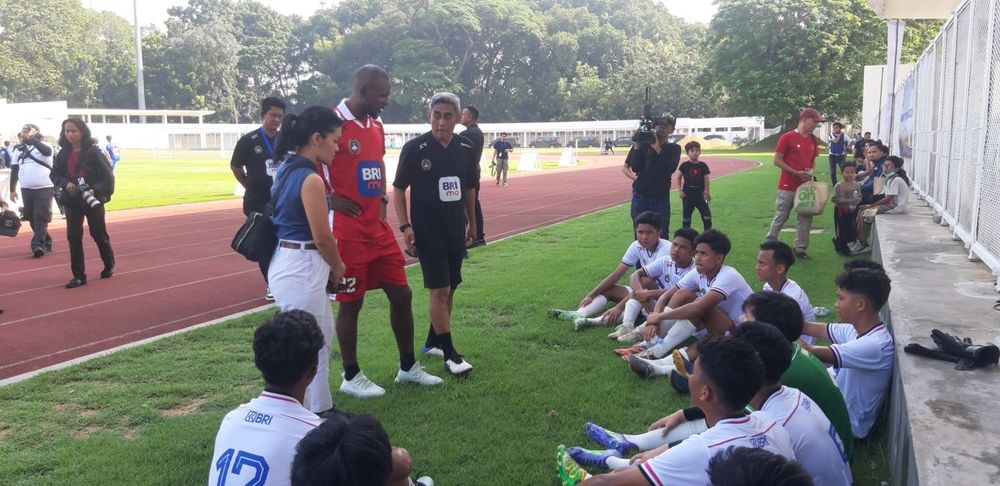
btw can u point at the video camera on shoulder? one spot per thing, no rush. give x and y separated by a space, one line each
646 134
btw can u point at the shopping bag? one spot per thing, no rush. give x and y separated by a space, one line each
810 198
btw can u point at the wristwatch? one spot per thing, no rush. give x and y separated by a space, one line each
404 227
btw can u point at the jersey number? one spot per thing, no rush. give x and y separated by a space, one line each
242 458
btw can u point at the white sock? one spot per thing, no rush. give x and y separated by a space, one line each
679 333
662 367
599 304
655 438
616 463
595 321
632 309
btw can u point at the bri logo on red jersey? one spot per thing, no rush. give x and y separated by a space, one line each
370 178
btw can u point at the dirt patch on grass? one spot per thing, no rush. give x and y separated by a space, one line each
4 434
87 431
183 410
75 409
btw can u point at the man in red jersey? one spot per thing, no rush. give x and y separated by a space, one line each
365 240
795 155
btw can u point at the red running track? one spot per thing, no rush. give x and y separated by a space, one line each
175 268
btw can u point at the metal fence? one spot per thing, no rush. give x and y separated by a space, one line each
946 122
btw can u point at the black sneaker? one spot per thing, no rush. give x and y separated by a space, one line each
38 252
76 282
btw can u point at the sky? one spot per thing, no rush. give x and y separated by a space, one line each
155 11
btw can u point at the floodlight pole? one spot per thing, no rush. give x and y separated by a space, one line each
139 83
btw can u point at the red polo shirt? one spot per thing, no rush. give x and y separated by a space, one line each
799 152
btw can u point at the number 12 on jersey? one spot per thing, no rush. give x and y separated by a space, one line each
242 458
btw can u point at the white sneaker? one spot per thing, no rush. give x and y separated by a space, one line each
424 481
268 295
457 368
632 337
361 387
417 375
433 351
853 246
621 330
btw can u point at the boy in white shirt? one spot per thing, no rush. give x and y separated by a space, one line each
862 352
647 247
726 376
774 260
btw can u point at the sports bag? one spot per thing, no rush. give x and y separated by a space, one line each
9 223
257 238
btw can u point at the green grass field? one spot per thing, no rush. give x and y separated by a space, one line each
149 415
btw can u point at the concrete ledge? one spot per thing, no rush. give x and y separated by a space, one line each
944 424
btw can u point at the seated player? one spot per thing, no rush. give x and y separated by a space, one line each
647 247
710 299
820 452
862 352
258 438
743 466
667 271
774 260
351 451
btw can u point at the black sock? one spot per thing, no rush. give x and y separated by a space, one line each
406 361
448 348
432 338
351 370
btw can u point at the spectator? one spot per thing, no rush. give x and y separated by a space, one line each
846 198
651 168
862 350
795 155
31 165
501 157
254 163
893 199
470 118
113 152
440 172
837 148
5 156
306 257
858 145
875 156
351 451
693 180
87 182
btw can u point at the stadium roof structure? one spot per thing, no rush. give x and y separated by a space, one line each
914 9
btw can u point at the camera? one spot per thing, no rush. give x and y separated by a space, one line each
85 192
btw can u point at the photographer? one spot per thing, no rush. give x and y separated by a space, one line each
87 180
651 166
31 165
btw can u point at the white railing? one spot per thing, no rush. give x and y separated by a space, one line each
947 113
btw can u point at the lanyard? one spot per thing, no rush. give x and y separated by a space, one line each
267 143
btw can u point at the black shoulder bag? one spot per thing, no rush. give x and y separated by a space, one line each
257 238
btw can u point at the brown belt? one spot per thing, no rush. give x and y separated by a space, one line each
297 246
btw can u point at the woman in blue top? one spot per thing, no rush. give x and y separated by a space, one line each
306 257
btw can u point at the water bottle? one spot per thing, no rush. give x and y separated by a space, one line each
821 311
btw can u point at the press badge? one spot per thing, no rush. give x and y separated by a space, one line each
449 189
271 167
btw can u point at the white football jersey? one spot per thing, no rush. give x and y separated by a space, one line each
863 370
793 290
814 439
638 257
728 282
666 271
256 441
687 463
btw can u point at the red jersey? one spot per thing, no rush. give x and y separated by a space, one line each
358 173
799 152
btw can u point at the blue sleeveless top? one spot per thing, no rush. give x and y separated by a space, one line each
289 216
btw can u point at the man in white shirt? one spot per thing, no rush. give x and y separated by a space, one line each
647 247
666 271
709 300
257 440
726 376
31 164
774 260
862 352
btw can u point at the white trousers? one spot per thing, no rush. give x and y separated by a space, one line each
298 281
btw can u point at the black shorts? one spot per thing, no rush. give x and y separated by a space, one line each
441 269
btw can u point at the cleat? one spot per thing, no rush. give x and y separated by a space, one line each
570 473
361 387
628 351
679 382
609 440
621 330
641 366
631 337
433 351
591 458
682 364
417 375
457 369
562 315
582 323
268 296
